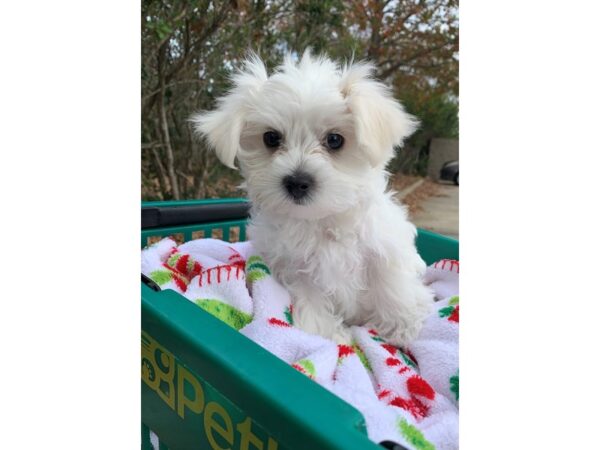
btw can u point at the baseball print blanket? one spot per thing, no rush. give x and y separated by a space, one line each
407 395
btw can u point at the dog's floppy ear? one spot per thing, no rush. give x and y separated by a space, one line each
380 121
223 126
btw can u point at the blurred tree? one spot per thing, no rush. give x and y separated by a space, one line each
189 48
414 44
438 115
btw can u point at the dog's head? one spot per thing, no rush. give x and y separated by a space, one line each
310 138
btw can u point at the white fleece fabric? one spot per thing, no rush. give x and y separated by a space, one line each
409 395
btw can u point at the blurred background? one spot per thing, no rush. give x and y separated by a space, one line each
189 49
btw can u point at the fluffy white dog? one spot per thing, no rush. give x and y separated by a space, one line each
312 141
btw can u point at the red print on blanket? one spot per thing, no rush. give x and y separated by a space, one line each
419 390
392 362
180 281
182 267
454 316
344 350
236 259
224 272
450 311
219 274
448 264
187 266
279 323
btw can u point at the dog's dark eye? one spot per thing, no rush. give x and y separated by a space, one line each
334 141
272 139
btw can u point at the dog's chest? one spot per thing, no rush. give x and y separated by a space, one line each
329 261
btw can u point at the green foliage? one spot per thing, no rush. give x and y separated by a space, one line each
438 116
191 47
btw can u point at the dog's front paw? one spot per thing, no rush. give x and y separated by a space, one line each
401 337
342 335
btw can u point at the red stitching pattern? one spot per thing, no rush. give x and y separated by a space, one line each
453 265
207 277
236 259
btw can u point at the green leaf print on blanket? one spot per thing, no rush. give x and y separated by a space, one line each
256 269
289 315
161 277
450 311
361 355
306 367
454 385
413 436
231 316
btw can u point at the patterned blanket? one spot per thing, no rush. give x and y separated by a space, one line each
407 395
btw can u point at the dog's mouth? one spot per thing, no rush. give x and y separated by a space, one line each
301 202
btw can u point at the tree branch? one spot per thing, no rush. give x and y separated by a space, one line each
164 128
403 62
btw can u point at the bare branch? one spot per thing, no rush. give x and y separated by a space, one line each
164 128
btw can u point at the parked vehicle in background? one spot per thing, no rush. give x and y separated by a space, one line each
449 172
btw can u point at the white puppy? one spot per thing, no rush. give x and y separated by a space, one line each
312 141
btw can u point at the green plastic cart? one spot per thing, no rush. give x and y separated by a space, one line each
206 386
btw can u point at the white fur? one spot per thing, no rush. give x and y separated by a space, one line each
347 256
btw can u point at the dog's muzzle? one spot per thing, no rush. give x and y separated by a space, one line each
298 185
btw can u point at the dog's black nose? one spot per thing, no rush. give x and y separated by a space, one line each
298 185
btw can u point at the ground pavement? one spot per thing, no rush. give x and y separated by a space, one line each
439 213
